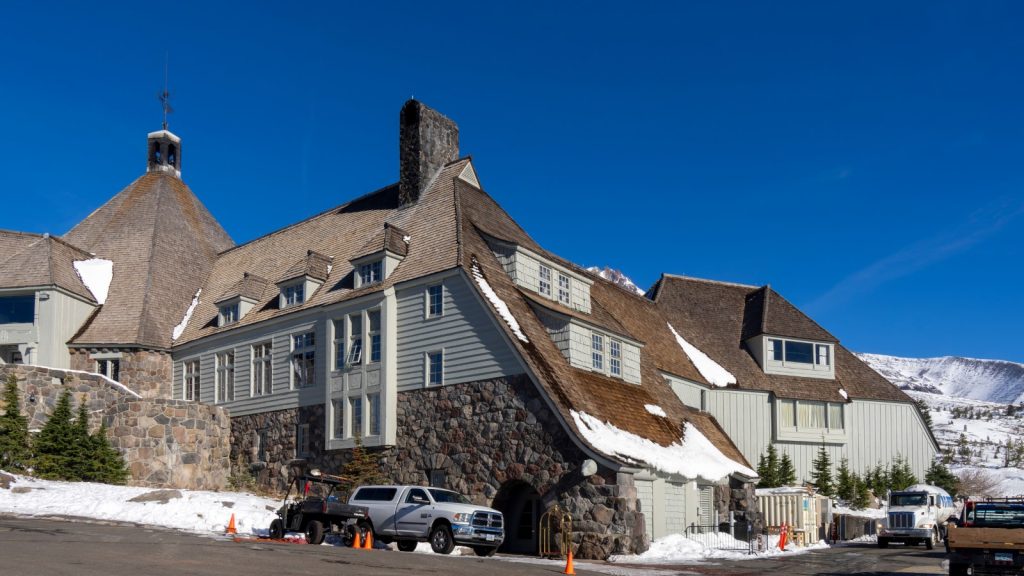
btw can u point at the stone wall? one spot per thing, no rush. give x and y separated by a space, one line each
166 443
146 372
484 438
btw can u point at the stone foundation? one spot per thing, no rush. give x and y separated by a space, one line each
146 372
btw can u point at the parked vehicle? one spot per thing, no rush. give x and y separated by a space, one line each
917 514
411 514
317 509
987 538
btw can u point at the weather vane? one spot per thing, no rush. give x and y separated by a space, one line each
165 96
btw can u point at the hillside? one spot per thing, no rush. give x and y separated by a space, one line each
987 380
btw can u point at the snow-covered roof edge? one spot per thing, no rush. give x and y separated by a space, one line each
711 371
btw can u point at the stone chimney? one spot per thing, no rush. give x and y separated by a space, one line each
426 142
164 153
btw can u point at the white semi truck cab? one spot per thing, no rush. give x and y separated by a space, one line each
917 514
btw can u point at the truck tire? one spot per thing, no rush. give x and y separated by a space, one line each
314 532
276 531
441 539
485 551
883 542
957 569
929 542
407 545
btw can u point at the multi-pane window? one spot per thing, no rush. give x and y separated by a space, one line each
824 355
224 379
294 294
355 346
301 440
544 280
339 344
435 368
191 380
303 360
435 301
597 351
805 415
373 333
373 400
228 314
262 374
109 367
262 439
801 355
371 272
338 429
356 406
835 416
564 293
615 357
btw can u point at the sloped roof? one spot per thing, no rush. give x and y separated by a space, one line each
163 242
251 287
29 260
717 318
314 265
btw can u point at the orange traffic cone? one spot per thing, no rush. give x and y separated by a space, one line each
368 541
231 526
356 540
782 538
568 564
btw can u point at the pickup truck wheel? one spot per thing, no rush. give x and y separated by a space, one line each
314 532
441 539
485 551
883 542
407 545
276 529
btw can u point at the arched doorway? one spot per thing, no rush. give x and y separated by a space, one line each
520 504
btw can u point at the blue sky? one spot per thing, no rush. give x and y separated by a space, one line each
862 158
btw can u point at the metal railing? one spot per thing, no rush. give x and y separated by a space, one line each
737 536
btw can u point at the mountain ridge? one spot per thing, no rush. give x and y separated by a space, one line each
1000 381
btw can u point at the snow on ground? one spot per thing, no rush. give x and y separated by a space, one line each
677 548
708 368
96 274
692 457
497 302
176 333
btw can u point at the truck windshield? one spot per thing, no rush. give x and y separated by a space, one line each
448 496
912 499
993 514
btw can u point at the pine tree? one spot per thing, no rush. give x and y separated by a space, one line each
80 456
862 496
845 488
362 468
938 475
900 474
787 472
924 411
768 469
108 466
55 440
14 438
821 472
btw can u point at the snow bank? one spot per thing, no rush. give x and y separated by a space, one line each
96 274
708 368
188 316
497 302
676 548
656 410
694 456
195 511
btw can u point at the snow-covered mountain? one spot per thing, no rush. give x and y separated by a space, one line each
617 277
988 380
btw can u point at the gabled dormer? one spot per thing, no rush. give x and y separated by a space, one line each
303 279
380 256
238 300
783 340
542 275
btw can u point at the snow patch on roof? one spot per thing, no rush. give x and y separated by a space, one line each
842 392
708 368
693 456
188 316
497 302
96 274
656 410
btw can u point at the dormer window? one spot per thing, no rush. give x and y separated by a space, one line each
228 313
564 292
544 280
293 294
542 274
794 357
371 273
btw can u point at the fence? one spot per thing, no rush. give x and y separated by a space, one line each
736 536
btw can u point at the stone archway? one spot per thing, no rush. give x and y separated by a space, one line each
519 502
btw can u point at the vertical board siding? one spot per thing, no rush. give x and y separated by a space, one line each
746 418
675 507
630 363
473 347
579 347
645 494
207 374
688 393
177 380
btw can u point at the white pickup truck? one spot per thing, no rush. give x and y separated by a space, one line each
411 514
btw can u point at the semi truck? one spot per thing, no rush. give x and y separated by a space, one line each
916 515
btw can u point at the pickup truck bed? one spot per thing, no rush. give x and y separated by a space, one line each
989 539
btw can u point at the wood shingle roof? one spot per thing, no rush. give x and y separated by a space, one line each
37 260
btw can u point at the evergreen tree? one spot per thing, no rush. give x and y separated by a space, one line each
107 464
787 472
768 469
14 438
80 457
862 496
55 440
900 474
938 475
922 409
845 488
821 472
362 468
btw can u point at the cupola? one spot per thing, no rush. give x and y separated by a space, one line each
164 153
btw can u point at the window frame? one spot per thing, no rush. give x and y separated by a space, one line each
224 377
433 298
543 279
778 354
229 313
302 441
191 382
564 288
373 415
306 354
339 430
371 272
109 367
293 294
429 368
261 379
19 303
357 416
791 421
615 357
597 351
373 335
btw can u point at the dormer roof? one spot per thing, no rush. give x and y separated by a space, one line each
767 312
38 260
389 239
250 287
314 265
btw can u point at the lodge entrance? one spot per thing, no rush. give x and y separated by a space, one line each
520 504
